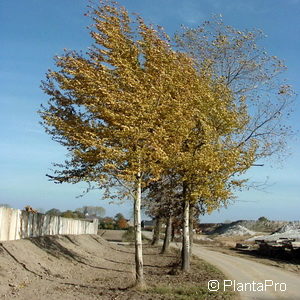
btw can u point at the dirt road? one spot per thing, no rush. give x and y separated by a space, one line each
263 282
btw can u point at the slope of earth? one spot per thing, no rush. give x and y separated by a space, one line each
112 235
88 267
72 267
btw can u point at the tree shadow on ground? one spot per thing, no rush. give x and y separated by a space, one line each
51 245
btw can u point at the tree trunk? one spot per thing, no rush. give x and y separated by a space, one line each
138 235
185 265
167 239
191 227
173 233
156 232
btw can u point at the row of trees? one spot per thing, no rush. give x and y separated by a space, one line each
79 213
177 121
65 214
118 222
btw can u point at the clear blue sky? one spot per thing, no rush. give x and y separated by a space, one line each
33 31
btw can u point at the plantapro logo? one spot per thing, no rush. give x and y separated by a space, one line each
226 285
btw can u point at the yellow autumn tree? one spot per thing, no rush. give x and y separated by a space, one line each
130 109
208 155
206 161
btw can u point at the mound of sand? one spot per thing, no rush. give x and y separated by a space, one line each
237 228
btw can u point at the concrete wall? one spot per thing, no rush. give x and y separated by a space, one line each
16 224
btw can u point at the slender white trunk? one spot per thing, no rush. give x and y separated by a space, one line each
185 266
191 228
138 234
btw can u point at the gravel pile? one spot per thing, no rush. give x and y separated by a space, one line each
290 230
292 227
237 230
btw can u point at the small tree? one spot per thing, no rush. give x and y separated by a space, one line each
118 216
53 212
107 223
68 214
122 223
263 219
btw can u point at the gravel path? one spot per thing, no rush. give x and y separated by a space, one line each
258 276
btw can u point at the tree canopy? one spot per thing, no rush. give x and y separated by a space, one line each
237 59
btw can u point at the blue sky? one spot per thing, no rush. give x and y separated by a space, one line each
33 31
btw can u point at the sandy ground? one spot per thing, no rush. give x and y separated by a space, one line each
117 235
247 271
49 267
111 235
89 267
74 267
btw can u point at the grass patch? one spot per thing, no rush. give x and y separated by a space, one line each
192 285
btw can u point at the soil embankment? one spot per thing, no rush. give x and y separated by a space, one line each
63 267
111 235
88 267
